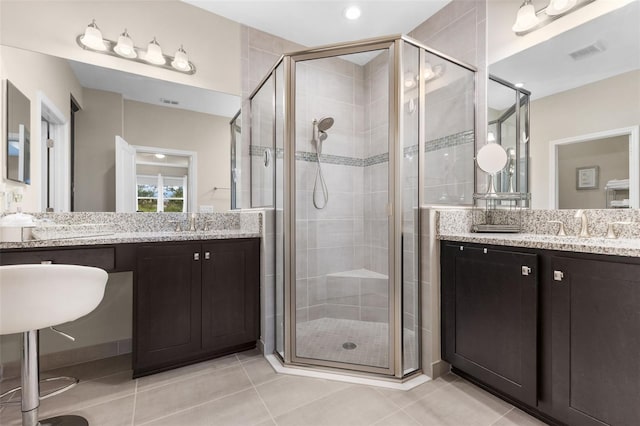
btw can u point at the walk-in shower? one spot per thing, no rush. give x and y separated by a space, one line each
363 134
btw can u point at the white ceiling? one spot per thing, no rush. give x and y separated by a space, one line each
547 68
314 23
144 89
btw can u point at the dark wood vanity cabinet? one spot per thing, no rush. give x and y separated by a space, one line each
595 343
194 301
583 368
489 321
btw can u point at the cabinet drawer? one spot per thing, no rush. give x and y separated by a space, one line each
103 257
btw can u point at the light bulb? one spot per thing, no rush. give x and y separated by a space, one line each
558 7
352 13
526 18
160 156
428 72
92 37
154 53
181 60
124 47
409 80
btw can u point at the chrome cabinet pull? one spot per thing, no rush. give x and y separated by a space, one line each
207 255
526 270
485 251
558 275
196 256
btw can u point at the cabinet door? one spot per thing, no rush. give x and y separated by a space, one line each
166 305
489 317
596 341
230 293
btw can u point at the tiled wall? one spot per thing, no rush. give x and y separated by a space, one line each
459 30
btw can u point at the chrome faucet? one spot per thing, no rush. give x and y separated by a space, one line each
584 226
192 222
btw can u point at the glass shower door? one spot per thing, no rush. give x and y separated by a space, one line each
343 296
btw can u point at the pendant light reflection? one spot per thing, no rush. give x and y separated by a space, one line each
124 47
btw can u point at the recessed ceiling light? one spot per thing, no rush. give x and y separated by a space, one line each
519 85
352 13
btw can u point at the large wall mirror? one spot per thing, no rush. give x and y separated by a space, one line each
583 73
18 144
174 139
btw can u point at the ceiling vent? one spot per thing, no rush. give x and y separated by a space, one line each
585 52
169 101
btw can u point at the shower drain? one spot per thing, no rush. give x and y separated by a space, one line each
349 345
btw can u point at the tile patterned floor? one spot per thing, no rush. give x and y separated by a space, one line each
242 389
323 339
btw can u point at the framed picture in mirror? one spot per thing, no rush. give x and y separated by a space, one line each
18 148
587 177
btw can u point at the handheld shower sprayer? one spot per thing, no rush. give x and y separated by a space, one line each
320 128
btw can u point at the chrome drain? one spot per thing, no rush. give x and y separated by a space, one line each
349 346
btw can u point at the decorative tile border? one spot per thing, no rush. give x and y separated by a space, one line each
311 157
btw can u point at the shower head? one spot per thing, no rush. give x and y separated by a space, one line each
325 124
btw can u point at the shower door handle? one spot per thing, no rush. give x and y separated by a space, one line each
267 157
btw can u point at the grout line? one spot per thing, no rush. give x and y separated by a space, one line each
386 417
183 410
503 416
135 400
264 404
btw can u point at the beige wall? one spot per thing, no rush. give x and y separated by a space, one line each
106 115
208 135
97 125
52 27
611 155
34 74
605 105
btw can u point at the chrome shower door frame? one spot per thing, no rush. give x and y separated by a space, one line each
385 43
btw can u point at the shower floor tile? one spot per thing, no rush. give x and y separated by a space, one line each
324 338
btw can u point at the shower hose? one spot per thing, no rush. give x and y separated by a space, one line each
320 188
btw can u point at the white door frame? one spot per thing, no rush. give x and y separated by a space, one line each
59 131
634 161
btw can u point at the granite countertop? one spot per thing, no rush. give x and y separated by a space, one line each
133 237
598 245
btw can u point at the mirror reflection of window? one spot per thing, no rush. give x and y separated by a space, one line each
172 197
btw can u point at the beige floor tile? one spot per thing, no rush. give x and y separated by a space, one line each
212 384
167 377
291 392
399 418
405 398
84 395
460 403
118 412
260 371
517 417
249 355
352 406
242 408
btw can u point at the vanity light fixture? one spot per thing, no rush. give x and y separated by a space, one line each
92 40
529 19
